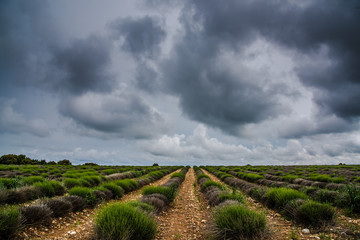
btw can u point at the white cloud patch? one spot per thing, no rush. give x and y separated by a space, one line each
200 148
119 114
11 121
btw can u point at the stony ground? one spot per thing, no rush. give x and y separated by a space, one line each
187 217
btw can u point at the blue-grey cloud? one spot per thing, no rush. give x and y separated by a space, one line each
115 115
142 36
14 122
83 66
214 96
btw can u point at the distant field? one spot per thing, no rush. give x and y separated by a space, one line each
241 199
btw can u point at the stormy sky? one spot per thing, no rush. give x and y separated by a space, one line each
181 82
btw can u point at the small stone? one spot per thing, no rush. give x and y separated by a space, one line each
203 221
71 232
305 231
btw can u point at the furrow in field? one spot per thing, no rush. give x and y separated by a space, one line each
187 217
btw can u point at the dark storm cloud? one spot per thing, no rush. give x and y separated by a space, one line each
25 38
33 55
83 66
77 71
142 36
212 95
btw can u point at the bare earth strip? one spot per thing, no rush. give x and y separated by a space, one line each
78 225
187 217
280 228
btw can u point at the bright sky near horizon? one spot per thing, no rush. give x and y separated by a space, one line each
177 82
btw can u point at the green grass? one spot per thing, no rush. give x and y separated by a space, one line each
238 222
10 221
168 192
122 222
279 197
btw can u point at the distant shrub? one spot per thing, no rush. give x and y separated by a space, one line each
140 205
100 196
107 192
58 188
231 196
77 203
279 197
154 200
352 194
36 214
202 176
46 188
71 182
289 178
166 191
59 206
252 177
10 221
92 180
84 192
179 175
109 171
10 183
122 221
116 190
238 222
33 179
211 183
315 214
127 184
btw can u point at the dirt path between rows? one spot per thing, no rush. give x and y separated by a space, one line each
187 217
78 225
279 227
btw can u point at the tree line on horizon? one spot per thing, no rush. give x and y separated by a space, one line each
22 159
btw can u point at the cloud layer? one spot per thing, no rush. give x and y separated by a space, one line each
282 75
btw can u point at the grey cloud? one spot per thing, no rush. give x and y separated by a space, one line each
26 36
309 28
11 121
118 114
142 36
147 77
34 55
209 92
212 95
83 66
